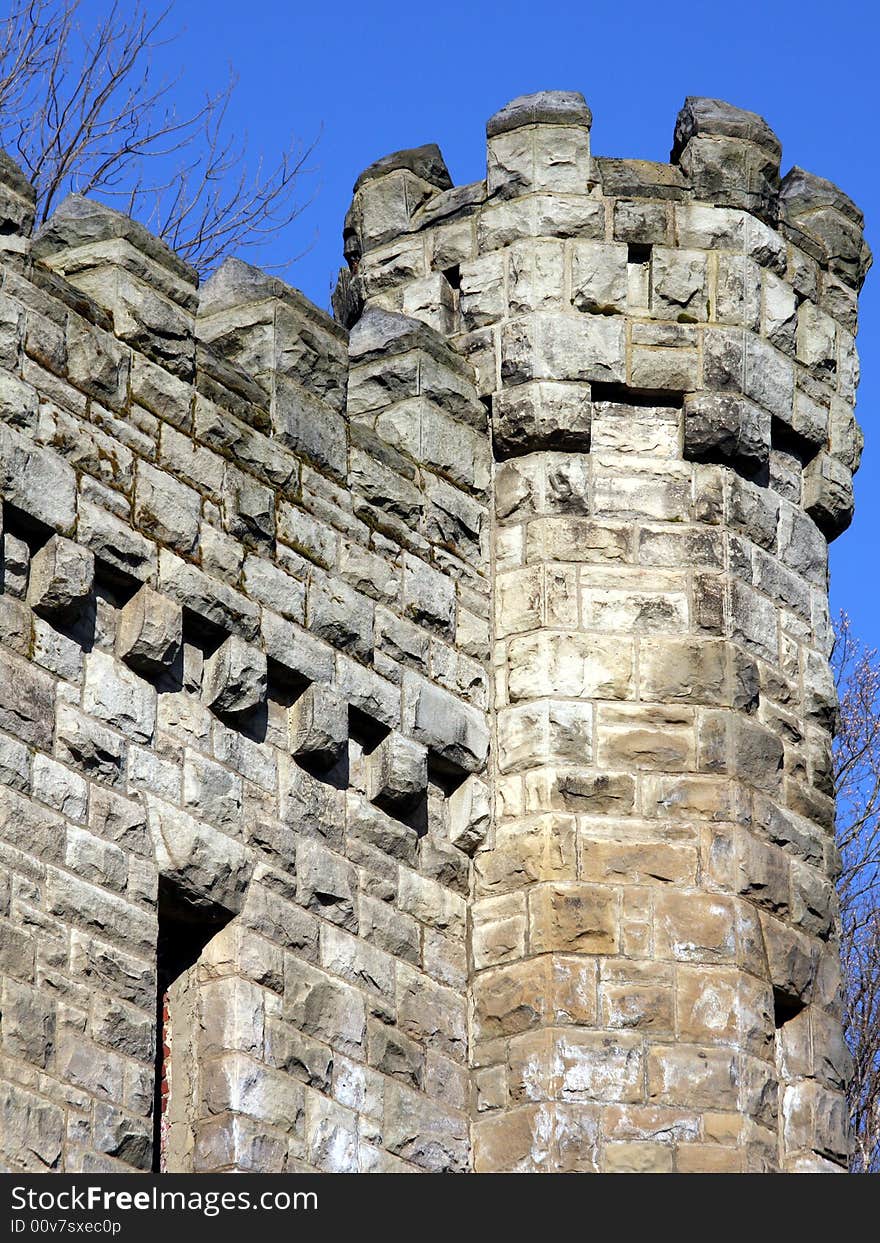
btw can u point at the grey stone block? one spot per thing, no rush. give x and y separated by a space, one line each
542 108
318 725
62 576
234 678
397 773
725 427
150 632
455 732
828 494
469 815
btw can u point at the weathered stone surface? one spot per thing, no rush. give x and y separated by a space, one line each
542 108
455 732
235 678
318 725
397 773
37 481
828 495
426 162
60 580
721 427
208 866
470 815
150 632
441 701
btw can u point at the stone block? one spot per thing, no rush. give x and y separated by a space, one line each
828 494
37 481
725 427
428 596
118 698
234 680
318 726
536 415
573 917
455 732
326 884
679 284
61 578
470 815
208 866
397 773
540 142
547 346
599 277
150 632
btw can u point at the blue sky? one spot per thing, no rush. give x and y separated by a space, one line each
375 77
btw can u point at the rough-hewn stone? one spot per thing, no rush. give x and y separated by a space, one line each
451 680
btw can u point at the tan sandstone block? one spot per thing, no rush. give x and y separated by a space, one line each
637 863
514 1142
546 731
596 1066
722 1128
636 1158
691 1076
687 797
669 748
694 927
638 1007
532 1067
499 929
574 917
538 850
572 996
578 790
574 665
708 1159
690 670
578 539
640 1123
511 998
721 1005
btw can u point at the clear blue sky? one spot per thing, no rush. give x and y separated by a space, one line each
375 77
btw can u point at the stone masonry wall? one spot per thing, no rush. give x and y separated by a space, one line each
415 726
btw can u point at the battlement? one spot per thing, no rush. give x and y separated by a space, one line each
442 685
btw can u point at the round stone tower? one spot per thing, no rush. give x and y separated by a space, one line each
666 353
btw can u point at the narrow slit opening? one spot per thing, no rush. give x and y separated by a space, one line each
623 395
185 928
452 276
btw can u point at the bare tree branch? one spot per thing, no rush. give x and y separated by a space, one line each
857 788
85 111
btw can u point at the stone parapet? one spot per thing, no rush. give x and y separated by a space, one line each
427 710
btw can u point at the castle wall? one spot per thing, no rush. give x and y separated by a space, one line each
419 725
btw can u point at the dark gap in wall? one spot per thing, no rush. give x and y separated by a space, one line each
448 779
366 730
785 1008
452 276
30 530
784 437
623 395
415 817
638 252
117 586
336 775
253 725
201 633
185 928
283 686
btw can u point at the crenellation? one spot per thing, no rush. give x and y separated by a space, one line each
454 673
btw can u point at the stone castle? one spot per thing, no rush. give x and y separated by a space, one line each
415 724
